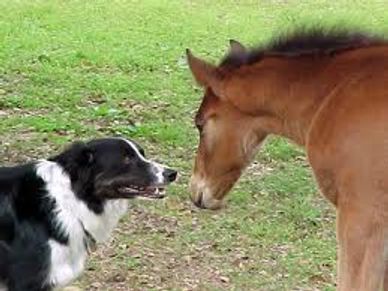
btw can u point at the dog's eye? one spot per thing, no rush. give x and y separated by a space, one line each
127 160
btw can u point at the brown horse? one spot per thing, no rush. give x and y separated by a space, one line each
326 91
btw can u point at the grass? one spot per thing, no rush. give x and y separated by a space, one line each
80 69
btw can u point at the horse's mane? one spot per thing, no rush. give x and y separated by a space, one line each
304 42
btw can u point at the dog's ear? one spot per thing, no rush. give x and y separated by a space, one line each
81 154
76 155
84 155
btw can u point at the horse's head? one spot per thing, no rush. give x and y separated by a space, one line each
229 137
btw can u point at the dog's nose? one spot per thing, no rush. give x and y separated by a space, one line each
170 175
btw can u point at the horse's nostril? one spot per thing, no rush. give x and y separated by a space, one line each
198 200
170 175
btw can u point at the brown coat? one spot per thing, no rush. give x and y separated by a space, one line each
330 95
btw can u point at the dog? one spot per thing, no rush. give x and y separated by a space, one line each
52 212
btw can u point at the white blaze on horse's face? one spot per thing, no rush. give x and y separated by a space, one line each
228 141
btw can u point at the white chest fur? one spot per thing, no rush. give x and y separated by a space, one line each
67 261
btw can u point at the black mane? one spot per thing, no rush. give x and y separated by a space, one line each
304 42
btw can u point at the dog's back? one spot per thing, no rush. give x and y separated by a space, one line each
9 177
4 262
12 180
21 241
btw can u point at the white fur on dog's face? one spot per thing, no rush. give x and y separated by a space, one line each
156 168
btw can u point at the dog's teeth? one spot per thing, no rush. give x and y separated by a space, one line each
128 190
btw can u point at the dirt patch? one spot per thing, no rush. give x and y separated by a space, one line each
13 148
145 246
257 169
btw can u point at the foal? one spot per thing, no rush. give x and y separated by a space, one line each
326 91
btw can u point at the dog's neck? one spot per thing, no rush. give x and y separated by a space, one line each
73 211
82 226
89 241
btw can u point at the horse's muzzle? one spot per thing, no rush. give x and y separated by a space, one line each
202 197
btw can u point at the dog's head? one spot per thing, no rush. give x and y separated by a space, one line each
113 168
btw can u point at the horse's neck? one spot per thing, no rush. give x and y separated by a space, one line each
296 109
291 91
290 94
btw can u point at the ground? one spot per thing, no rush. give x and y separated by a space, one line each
75 69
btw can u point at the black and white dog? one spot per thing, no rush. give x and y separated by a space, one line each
52 211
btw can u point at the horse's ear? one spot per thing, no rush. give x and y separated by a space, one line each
236 47
206 74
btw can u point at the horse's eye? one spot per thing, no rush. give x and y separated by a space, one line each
199 122
199 127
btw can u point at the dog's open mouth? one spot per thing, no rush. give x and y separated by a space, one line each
150 192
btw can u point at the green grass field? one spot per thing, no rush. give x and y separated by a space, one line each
80 69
